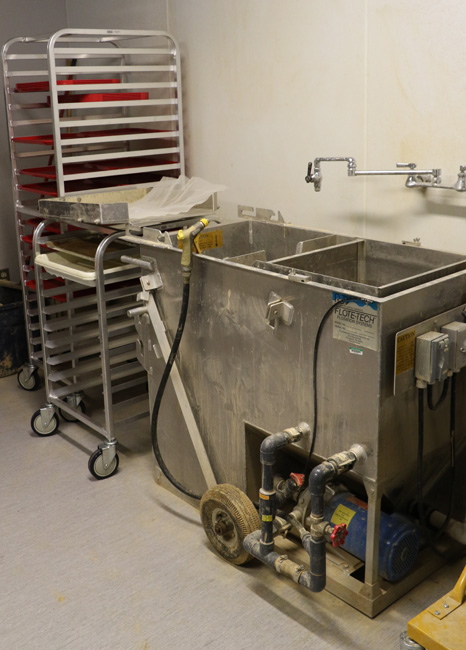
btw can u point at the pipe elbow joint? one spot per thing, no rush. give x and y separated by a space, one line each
319 476
270 445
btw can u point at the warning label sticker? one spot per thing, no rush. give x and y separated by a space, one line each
211 239
358 325
206 240
404 350
342 515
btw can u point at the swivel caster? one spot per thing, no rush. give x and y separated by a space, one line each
101 467
28 378
70 418
43 423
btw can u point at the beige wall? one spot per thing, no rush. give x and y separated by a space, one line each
117 14
270 85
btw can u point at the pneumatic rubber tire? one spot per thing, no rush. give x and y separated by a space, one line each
228 516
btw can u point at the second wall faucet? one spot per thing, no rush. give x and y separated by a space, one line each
416 177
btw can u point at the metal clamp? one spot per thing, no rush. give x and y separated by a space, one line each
278 310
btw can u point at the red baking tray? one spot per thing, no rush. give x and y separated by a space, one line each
101 97
48 139
51 227
49 172
44 86
49 188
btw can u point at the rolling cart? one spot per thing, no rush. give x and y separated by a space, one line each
87 339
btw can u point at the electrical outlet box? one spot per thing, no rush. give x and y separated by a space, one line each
432 361
456 332
4 274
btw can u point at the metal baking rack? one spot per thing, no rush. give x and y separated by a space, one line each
87 110
88 342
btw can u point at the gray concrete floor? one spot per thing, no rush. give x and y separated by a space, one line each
124 564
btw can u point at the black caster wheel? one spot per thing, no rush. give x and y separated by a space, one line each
70 418
38 426
228 516
28 383
96 465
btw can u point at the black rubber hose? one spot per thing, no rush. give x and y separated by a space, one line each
420 456
160 392
307 469
420 481
441 399
451 502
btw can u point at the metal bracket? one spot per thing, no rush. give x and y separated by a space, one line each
443 607
46 414
108 452
278 310
28 370
74 399
151 281
260 214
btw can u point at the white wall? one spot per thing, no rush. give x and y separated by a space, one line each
19 18
270 85
117 14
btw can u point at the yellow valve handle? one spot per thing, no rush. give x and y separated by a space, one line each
186 237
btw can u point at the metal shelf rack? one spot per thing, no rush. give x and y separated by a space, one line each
88 341
87 110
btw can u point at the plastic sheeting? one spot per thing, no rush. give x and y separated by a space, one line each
170 197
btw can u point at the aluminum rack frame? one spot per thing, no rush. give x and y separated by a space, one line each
68 134
88 341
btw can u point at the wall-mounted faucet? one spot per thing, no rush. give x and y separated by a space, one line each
416 177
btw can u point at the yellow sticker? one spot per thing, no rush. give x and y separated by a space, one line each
210 239
205 240
264 496
342 515
267 518
405 349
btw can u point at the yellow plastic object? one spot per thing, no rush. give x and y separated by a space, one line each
442 626
184 238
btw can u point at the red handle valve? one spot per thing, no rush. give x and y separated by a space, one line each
338 535
297 478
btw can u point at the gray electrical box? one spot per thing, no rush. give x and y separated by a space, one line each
432 357
456 332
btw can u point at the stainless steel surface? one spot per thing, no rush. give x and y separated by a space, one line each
111 208
243 377
374 268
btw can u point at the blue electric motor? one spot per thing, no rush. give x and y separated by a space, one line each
399 537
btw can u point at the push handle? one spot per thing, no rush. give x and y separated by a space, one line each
459 589
147 265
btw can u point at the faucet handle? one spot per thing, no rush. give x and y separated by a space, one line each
308 178
406 165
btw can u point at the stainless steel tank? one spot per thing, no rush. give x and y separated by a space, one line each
259 293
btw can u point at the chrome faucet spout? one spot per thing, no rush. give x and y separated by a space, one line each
460 185
416 177
316 176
